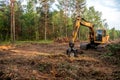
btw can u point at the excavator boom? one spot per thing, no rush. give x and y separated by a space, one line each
79 21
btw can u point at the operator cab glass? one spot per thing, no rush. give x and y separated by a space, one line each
99 34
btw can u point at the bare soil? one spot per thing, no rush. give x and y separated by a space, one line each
33 61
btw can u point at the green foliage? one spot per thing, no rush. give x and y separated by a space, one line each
93 16
114 34
66 65
45 67
30 20
4 23
114 48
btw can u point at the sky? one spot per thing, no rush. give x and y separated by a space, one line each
110 10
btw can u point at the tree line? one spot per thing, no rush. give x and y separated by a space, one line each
38 20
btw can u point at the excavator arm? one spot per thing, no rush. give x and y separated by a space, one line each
91 28
79 21
75 29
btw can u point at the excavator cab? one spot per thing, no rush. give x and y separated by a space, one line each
101 36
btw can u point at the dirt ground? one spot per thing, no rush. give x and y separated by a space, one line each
33 61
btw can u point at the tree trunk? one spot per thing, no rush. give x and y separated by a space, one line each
13 24
12 21
45 27
46 9
53 30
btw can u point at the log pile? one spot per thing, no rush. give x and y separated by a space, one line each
61 40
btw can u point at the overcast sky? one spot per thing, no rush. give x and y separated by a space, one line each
110 10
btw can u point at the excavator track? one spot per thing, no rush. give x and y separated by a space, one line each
97 47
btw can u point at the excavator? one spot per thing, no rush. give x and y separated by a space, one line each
96 38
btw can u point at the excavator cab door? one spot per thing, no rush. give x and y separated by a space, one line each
99 34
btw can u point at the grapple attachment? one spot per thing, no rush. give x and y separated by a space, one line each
71 50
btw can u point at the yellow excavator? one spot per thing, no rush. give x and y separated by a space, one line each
95 37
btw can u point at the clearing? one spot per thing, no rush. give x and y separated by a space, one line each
47 61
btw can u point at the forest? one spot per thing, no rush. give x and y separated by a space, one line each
36 20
